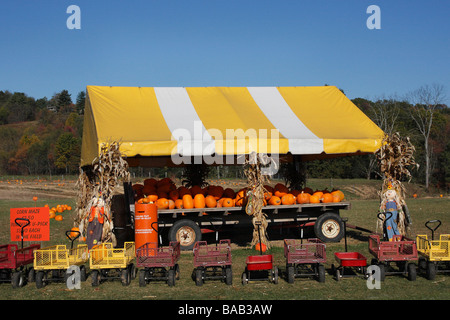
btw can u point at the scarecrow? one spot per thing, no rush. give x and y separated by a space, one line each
390 204
96 220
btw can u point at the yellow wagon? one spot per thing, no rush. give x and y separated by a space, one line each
105 259
55 260
435 254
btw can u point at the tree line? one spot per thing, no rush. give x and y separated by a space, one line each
43 136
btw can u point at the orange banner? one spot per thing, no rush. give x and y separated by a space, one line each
38 228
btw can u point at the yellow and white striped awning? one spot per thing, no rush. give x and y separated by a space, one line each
199 121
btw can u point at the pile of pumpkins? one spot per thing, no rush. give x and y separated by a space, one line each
166 195
55 212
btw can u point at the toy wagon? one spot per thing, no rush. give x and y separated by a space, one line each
212 262
55 260
158 263
109 263
435 254
14 261
401 251
260 267
353 262
304 258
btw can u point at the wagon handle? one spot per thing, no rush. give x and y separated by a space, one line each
433 229
151 225
385 213
72 239
216 229
22 226
302 224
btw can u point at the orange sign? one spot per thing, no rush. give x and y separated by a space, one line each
38 228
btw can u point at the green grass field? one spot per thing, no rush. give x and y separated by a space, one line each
362 213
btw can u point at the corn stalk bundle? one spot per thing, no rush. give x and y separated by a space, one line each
253 167
395 158
108 169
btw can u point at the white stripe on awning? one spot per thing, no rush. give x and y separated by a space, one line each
183 122
272 104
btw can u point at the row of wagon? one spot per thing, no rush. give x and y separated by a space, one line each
304 258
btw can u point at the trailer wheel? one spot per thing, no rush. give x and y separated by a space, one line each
329 227
187 232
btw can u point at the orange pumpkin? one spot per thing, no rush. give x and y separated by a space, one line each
260 247
227 202
303 198
210 202
199 201
35 198
327 197
188 202
59 217
51 214
179 203
74 232
162 203
240 196
336 198
287 199
171 204
318 194
275 201
314 199
152 197
338 193
280 190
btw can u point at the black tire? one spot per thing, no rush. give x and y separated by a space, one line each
177 271
431 270
321 273
329 227
412 271
187 232
31 275
41 279
382 271
199 277
142 276
171 277
125 277
95 275
244 278
275 275
18 279
83 275
228 276
290 273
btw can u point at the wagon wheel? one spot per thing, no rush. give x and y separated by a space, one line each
41 279
275 275
199 277
185 231
171 277
329 227
412 271
31 275
142 278
125 277
321 273
244 278
18 279
431 270
228 276
290 273
95 278
177 271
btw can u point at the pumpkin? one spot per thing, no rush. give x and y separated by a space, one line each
336 198
162 203
287 199
338 193
260 247
179 204
314 199
268 188
210 202
188 202
267 195
275 201
227 202
69 208
199 201
150 182
35 198
171 204
215 191
229 193
303 198
152 197
327 197
165 188
280 190
319 194
196 190
174 195
59 217
182 191
240 196
51 214
74 232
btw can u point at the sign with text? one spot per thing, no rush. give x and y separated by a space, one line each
37 230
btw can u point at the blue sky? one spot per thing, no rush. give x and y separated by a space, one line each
224 43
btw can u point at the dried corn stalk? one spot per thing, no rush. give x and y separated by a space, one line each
107 171
254 165
395 158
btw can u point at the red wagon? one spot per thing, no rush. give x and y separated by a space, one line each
212 262
351 264
305 258
14 261
260 267
401 251
158 263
